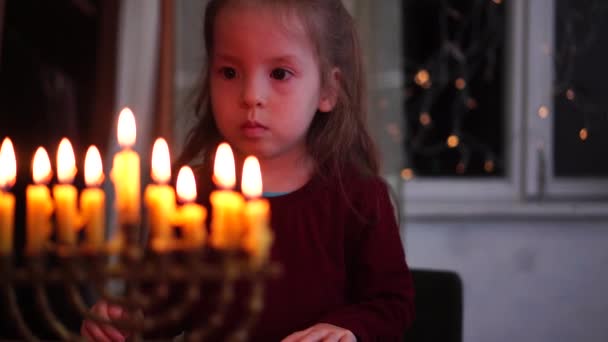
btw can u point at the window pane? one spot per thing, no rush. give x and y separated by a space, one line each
454 87
581 104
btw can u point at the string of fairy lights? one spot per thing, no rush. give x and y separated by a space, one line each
468 53
578 33
470 42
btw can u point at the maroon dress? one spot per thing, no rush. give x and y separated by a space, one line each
342 259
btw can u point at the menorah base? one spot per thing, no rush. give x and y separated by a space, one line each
146 281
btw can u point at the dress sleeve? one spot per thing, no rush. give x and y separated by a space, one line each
381 291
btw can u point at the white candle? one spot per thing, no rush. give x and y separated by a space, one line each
258 236
39 204
92 200
190 216
160 197
65 194
8 173
125 171
227 205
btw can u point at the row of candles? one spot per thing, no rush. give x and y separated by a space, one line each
237 222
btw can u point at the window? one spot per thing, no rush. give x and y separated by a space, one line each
530 141
454 87
581 109
566 108
459 106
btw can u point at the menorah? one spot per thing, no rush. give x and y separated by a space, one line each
177 253
127 261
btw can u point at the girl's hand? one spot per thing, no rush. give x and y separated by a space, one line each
94 331
322 332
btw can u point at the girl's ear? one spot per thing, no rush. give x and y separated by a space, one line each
329 94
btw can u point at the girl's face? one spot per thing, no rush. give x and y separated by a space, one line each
265 82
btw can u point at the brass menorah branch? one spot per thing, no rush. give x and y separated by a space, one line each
136 266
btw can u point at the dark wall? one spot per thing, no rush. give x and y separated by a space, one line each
57 67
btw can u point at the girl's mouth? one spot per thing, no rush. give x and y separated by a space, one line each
253 129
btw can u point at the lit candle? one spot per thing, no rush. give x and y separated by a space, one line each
258 236
39 204
125 171
227 205
93 200
8 172
190 216
65 194
160 197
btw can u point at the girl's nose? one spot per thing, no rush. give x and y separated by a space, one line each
253 93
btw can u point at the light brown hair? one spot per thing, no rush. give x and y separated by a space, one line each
335 140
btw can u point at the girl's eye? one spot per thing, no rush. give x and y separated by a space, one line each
280 74
228 73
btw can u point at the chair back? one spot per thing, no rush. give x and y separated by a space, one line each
438 307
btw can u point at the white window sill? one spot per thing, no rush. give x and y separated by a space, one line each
426 210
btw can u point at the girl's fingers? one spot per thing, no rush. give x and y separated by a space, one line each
295 336
92 332
111 312
101 332
334 337
108 332
115 311
322 332
112 332
314 336
347 338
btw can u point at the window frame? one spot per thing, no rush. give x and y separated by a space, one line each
542 181
529 189
482 188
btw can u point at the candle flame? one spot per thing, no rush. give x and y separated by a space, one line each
161 162
41 166
251 183
186 185
224 170
66 163
93 171
8 164
126 128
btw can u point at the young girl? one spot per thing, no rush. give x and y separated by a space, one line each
284 82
